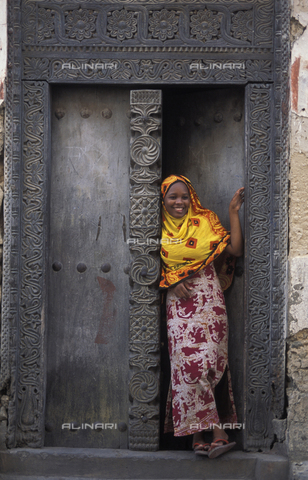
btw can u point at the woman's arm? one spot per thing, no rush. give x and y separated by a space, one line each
236 247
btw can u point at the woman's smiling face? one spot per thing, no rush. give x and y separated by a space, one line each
177 200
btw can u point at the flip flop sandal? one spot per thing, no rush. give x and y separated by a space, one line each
216 450
204 450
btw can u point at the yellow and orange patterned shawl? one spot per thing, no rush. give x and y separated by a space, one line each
192 242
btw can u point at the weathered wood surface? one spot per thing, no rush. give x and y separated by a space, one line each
87 354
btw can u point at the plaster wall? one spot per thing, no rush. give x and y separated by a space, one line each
297 344
3 46
3 59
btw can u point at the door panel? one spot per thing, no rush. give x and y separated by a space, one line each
203 139
88 290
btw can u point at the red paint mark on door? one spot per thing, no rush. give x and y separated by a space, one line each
294 82
108 318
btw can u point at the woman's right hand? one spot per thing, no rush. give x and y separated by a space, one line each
183 289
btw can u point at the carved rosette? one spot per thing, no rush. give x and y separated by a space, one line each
205 25
242 25
145 175
227 23
258 238
164 24
121 24
80 24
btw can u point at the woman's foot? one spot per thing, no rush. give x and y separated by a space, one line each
219 433
199 445
219 447
220 443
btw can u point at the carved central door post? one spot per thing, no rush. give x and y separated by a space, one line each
145 177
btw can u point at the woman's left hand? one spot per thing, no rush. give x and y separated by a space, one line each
237 200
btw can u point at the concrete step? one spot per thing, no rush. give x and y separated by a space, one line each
106 464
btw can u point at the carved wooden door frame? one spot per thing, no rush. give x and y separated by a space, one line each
145 45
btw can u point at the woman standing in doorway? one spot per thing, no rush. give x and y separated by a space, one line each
192 239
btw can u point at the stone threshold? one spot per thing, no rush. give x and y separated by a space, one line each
57 463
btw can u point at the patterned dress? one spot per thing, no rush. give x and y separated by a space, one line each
198 348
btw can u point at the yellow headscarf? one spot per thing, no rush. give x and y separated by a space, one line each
193 241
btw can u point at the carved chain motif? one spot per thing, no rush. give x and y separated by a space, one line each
224 24
258 273
280 224
145 270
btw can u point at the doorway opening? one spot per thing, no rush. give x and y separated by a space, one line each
204 139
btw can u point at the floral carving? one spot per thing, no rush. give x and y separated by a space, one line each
45 24
36 67
80 24
146 68
242 25
205 25
122 24
164 24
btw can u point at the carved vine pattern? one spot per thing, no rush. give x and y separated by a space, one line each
259 279
30 392
139 70
145 270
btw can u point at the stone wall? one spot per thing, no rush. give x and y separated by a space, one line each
3 60
297 343
3 398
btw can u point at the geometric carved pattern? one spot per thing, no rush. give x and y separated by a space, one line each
258 238
144 213
145 269
144 325
143 418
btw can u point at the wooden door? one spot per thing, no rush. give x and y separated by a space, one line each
203 139
88 320
88 324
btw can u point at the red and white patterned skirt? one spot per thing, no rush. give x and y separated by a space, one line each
198 349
